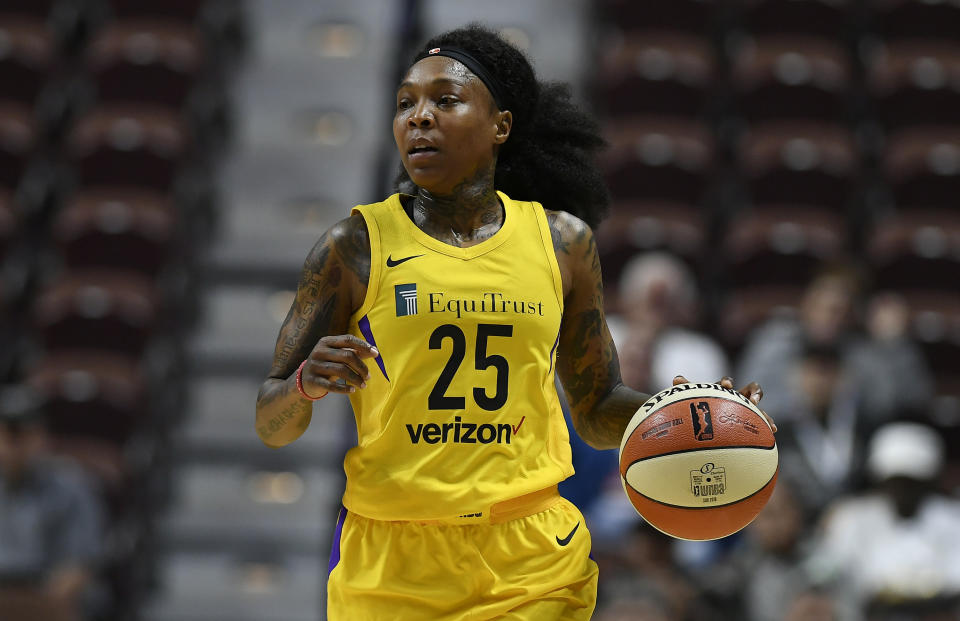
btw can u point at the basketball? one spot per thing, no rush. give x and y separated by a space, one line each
698 461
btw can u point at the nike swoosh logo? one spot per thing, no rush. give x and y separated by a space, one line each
392 263
567 539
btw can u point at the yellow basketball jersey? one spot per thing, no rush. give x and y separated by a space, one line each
460 411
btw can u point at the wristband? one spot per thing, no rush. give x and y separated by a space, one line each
300 383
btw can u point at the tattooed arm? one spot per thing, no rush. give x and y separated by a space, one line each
332 285
600 405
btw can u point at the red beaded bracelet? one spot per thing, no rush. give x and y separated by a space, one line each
300 383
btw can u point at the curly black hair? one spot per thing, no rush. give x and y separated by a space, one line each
549 157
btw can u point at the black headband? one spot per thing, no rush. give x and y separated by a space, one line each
475 66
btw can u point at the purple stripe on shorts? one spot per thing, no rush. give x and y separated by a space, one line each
335 548
553 349
364 325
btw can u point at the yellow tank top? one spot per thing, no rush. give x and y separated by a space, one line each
460 411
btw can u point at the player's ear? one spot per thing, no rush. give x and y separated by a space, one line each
504 121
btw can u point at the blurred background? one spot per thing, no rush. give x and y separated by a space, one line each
784 177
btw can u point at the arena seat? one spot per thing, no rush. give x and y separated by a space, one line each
119 227
802 162
935 324
656 72
118 144
917 249
91 393
112 310
184 10
221 23
111 113
746 307
18 141
825 18
651 225
659 158
790 76
921 166
32 8
145 60
781 244
29 56
9 222
898 19
914 82
695 16
636 226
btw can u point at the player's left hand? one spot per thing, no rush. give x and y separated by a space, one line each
751 391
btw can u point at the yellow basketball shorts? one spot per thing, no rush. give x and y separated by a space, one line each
531 568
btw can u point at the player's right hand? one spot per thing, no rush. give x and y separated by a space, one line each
336 365
751 391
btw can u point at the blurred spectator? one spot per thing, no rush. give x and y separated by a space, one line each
635 608
819 446
660 302
811 606
641 576
889 366
885 366
50 518
897 547
771 573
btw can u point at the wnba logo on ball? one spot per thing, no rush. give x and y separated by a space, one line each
708 482
702 422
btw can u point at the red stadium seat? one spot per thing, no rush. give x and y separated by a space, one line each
146 61
922 166
27 59
107 309
636 226
790 76
655 72
914 82
650 225
657 158
119 227
917 250
781 245
91 394
129 145
809 163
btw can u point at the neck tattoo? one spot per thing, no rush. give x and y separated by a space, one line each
467 216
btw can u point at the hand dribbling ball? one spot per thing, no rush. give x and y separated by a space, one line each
698 461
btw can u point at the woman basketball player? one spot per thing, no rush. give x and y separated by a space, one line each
444 315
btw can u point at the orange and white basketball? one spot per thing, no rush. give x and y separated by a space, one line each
698 461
